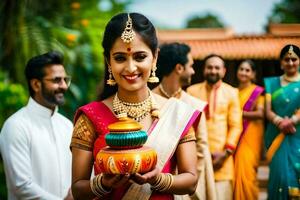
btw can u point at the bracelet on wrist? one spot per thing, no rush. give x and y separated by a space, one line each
295 119
276 120
163 182
97 187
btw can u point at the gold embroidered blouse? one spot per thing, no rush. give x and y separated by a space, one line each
84 134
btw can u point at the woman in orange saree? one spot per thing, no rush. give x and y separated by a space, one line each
248 152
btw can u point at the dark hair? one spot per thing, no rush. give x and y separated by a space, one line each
286 48
36 65
114 29
250 62
169 56
211 56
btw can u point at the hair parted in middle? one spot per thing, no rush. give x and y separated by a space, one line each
141 25
287 48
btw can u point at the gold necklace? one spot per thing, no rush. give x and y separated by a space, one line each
291 79
166 94
137 111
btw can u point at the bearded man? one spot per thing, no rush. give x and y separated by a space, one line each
223 120
34 141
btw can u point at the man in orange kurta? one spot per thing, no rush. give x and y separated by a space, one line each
224 121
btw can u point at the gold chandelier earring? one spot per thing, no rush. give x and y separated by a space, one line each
153 78
110 81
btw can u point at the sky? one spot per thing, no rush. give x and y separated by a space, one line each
243 16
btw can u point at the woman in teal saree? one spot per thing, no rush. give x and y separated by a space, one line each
282 137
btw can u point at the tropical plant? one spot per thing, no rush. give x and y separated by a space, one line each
74 27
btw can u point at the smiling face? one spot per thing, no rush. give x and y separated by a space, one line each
49 92
245 73
131 64
214 70
290 64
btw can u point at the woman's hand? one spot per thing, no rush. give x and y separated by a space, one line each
148 177
110 181
287 126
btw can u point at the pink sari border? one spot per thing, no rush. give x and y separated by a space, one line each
256 92
249 105
192 120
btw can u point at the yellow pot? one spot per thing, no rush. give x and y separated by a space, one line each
139 160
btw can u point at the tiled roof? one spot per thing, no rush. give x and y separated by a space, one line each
230 46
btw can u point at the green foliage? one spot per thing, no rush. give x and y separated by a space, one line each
75 28
207 21
72 27
286 11
13 97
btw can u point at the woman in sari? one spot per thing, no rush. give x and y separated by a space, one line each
130 50
248 151
282 137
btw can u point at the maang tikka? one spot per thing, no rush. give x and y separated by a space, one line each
127 37
291 51
128 33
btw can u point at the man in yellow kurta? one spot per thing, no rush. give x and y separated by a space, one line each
223 119
175 68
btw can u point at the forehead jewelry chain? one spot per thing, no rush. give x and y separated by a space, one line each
128 33
161 88
137 111
291 50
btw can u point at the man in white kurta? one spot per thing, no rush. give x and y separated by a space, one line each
34 143
34 146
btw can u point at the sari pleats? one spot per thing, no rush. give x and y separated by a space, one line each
248 152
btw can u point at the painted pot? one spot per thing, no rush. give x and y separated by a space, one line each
138 160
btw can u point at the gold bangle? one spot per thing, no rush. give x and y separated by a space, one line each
97 187
163 182
295 119
276 120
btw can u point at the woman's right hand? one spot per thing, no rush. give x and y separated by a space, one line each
148 177
110 181
287 126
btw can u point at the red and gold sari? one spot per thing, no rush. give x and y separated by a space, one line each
175 116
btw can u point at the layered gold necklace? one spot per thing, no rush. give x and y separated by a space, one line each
137 111
161 88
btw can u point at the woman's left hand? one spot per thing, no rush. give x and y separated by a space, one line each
148 177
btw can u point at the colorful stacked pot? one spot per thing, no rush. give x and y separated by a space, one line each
125 152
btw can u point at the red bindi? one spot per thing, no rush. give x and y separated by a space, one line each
128 49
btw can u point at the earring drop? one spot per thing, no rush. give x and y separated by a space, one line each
110 80
153 78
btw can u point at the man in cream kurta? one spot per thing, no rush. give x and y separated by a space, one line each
224 121
35 141
175 70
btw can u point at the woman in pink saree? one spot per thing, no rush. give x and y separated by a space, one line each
130 50
247 155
